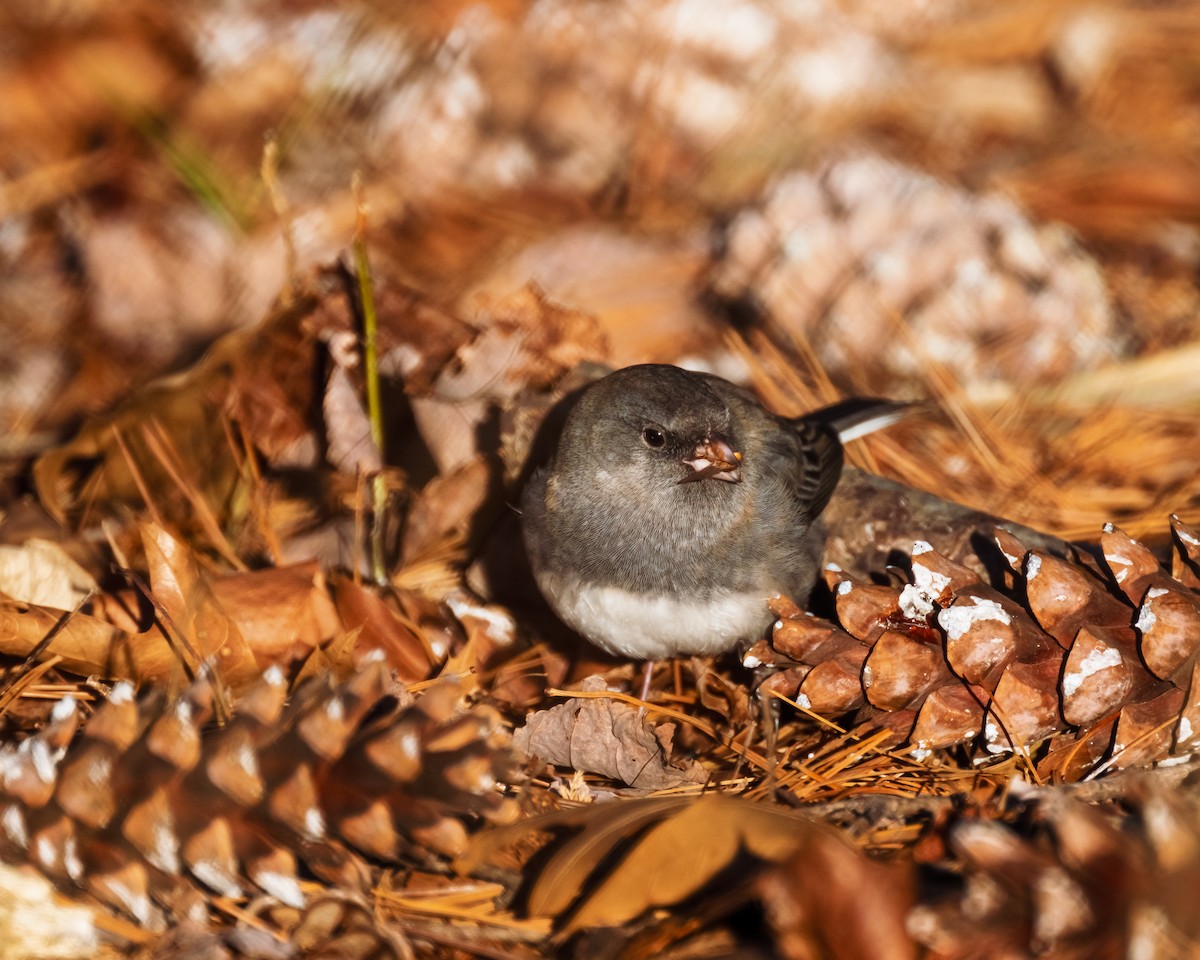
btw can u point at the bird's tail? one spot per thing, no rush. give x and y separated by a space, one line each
857 417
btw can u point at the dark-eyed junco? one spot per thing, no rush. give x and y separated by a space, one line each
675 505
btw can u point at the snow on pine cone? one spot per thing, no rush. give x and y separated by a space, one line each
152 814
1075 663
840 256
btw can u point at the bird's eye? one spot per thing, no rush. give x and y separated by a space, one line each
653 437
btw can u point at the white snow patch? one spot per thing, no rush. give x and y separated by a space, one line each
42 759
121 693
1094 662
63 709
498 626
958 619
1033 566
13 823
930 581
914 603
165 851
992 734
281 886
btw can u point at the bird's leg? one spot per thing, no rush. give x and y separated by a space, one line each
649 675
768 711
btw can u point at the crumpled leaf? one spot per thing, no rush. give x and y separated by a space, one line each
658 852
243 621
447 508
606 737
350 447
527 342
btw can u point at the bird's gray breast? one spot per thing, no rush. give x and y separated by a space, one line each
693 540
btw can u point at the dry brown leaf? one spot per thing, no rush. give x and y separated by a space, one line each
43 573
350 448
830 900
281 612
607 737
198 622
447 509
412 648
526 342
678 857
337 659
87 645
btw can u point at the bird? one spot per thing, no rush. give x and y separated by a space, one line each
675 505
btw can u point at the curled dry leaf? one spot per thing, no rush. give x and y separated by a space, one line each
281 612
87 645
349 447
448 509
607 737
678 857
498 655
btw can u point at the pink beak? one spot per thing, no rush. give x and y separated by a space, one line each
714 457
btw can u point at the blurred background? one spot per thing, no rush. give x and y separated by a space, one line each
991 206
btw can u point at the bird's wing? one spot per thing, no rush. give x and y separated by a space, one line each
818 455
821 434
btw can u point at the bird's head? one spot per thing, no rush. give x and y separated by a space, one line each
653 423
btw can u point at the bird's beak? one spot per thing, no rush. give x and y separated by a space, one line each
715 458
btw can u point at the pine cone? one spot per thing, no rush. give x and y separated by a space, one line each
152 814
1066 879
841 256
1098 663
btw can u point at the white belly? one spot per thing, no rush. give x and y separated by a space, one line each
643 627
